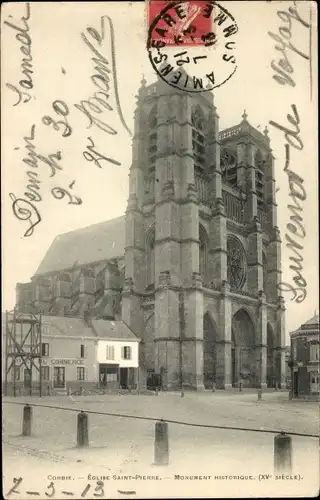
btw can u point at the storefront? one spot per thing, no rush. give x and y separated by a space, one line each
77 355
60 372
118 363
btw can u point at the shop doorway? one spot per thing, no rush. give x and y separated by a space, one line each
108 375
124 378
59 377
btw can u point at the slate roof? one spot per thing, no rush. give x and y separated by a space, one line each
64 326
77 327
102 241
312 322
113 330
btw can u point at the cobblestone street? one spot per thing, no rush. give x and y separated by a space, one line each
122 446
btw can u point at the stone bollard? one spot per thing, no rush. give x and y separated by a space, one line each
27 420
282 453
259 394
213 387
82 430
161 444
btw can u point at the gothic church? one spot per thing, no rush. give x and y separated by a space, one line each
194 264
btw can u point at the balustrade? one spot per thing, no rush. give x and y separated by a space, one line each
248 129
229 132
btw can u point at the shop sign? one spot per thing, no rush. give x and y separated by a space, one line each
62 361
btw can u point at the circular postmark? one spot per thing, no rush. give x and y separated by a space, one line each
191 45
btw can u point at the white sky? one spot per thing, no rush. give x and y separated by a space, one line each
56 30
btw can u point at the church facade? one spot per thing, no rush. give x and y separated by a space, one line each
193 266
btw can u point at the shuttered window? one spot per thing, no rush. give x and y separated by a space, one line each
126 352
110 352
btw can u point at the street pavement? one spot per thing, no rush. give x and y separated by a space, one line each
230 462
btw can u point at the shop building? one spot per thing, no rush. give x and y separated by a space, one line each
76 353
305 359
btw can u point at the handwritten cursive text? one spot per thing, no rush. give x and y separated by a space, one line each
295 228
92 154
283 68
94 107
24 208
22 89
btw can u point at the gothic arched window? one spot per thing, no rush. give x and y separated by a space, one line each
228 164
150 260
198 143
203 252
236 262
152 138
259 163
258 159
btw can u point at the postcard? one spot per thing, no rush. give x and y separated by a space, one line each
160 325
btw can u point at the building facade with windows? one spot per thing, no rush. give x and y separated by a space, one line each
78 353
305 359
194 265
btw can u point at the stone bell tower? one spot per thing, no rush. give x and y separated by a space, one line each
162 224
202 256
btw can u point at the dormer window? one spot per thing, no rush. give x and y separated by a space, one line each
197 120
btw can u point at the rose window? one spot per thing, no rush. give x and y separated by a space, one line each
236 263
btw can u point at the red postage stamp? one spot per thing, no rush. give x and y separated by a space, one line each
188 22
192 44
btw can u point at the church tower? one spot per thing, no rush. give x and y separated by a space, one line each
202 255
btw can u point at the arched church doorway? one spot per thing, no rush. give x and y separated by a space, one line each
244 364
270 357
209 352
